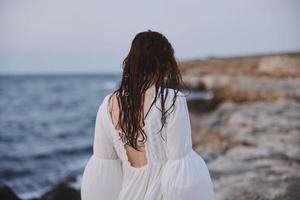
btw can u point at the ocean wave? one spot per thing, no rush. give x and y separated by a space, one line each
46 127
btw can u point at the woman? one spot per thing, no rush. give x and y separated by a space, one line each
142 144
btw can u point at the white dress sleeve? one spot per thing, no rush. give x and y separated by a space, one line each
102 177
185 175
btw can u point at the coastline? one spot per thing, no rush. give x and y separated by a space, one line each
244 114
249 132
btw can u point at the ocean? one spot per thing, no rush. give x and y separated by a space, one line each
46 127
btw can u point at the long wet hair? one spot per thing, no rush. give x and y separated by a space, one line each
150 61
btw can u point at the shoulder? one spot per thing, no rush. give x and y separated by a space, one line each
172 92
108 97
103 102
179 101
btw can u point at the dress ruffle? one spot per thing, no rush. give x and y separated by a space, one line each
102 178
186 178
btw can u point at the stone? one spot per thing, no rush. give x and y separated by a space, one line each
6 193
252 148
62 191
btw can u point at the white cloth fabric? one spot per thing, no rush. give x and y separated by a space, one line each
174 171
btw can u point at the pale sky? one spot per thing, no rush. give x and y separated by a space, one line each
72 36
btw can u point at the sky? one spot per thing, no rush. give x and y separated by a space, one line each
94 36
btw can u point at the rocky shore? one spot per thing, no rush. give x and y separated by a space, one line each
64 190
251 78
248 129
252 149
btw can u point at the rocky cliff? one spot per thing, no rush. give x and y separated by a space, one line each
251 136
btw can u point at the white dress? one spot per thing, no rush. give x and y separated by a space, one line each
174 171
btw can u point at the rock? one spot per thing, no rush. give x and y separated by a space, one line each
276 66
203 105
252 148
292 191
193 82
6 193
256 89
241 79
279 65
62 191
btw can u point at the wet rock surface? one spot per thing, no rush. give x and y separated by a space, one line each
6 193
61 191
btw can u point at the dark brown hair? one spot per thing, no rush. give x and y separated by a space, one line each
150 61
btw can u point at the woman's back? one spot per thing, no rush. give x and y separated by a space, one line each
166 168
144 152
136 158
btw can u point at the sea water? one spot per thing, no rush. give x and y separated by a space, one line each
47 127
